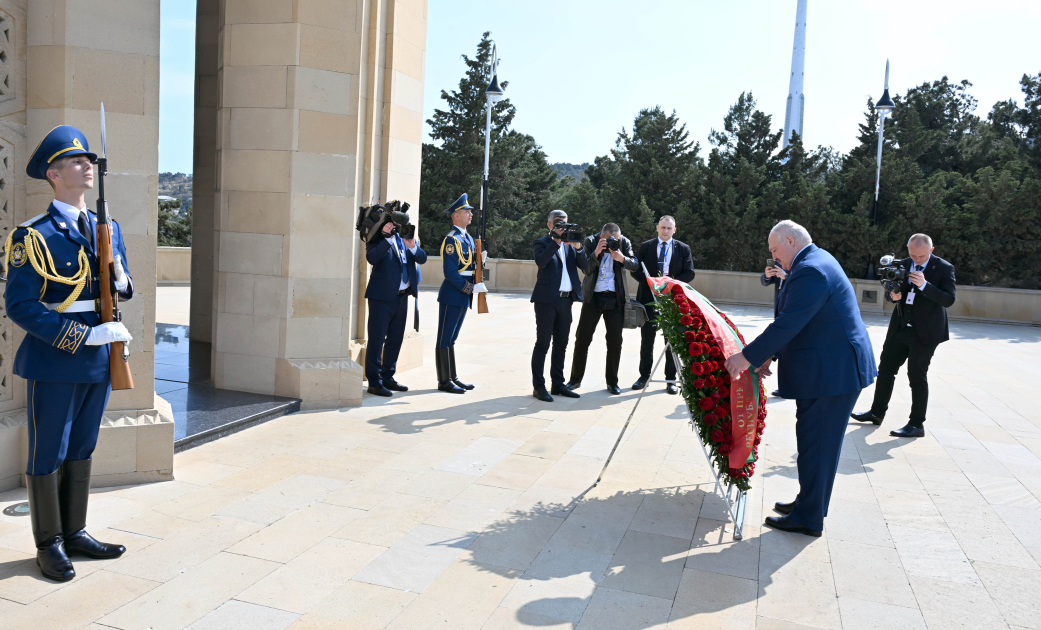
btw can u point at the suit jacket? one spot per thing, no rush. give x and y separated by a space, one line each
929 311
681 266
592 266
54 348
551 270
385 277
818 336
458 264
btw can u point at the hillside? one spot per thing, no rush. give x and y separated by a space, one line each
578 171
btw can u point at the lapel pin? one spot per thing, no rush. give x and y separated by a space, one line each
62 225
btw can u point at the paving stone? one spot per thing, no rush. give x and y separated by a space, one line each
619 610
559 583
236 615
417 559
706 601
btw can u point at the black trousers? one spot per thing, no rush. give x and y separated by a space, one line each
647 334
552 323
604 305
386 333
902 344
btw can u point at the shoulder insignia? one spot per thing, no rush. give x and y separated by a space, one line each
18 256
33 220
450 249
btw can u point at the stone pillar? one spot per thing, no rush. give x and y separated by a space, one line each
76 55
301 123
207 29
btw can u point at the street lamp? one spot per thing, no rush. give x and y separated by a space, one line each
494 93
884 106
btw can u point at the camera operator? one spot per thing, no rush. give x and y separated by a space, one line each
608 255
918 325
555 290
394 277
663 256
775 275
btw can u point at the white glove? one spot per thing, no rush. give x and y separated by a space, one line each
121 275
480 288
107 333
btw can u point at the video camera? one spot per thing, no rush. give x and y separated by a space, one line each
571 232
372 219
892 277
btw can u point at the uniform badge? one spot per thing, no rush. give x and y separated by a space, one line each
18 256
450 249
62 225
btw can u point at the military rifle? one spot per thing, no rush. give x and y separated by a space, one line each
482 299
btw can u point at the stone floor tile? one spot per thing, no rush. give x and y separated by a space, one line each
236 615
797 590
707 601
857 521
418 559
390 521
714 550
516 472
955 605
298 491
153 524
769 623
546 500
288 538
204 473
506 619
909 509
559 583
150 493
612 609
371 489
356 606
421 458
260 473
463 597
789 545
191 596
649 564
870 573
859 614
514 539
596 526
106 511
437 484
930 554
474 508
547 445
201 503
980 463
998 490
479 457
1014 592
85 599
184 549
572 472
669 513
255 511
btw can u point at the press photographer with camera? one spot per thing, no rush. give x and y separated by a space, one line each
558 256
922 286
775 275
393 250
608 255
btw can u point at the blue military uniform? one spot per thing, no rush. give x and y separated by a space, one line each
53 292
455 297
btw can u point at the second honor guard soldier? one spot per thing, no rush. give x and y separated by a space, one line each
456 294
53 292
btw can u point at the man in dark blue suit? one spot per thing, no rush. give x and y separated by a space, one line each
556 289
825 360
52 293
394 277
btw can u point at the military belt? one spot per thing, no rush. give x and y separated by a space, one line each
466 273
79 306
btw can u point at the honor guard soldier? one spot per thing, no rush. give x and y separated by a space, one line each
456 294
53 293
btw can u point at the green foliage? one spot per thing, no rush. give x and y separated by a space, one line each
175 228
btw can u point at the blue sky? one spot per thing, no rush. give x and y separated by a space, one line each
580 70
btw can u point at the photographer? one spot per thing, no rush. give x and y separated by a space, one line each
775 275
608 255
918 325
394 277
556 288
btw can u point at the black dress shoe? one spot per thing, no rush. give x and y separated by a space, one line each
380 391
784 508
671 388
461 384
395 386
776 393
867 416
574 384
641 382
562 390
450 387
614 389
83 544
542 394
908 431
786 524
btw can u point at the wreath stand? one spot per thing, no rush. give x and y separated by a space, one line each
734 498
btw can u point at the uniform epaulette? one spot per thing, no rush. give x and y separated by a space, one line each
33 220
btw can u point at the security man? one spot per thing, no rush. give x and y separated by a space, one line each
456 294
53 293
394 277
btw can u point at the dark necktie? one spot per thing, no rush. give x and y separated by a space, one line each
403 258
661 259
85 230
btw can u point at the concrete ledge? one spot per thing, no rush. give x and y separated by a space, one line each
173 265
411 355
320 383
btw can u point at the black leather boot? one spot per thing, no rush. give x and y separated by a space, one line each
74 493
451 368
45 514
442 358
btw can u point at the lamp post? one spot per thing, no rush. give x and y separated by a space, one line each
884 106
494 93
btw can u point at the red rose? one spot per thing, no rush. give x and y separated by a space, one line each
725 449
697 369
700 336
715 352
691 336
720 412
697 321
723 391
700 383
677 289
686 320
714 364
678 298
758 440
710 419
706 404
738 473
712 380
683 308
717 436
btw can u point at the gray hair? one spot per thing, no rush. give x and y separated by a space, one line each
556 214
922 239
611 228
668 218
791 228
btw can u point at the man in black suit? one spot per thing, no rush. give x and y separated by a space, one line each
664 256
603 295
555 290
918 325
394 277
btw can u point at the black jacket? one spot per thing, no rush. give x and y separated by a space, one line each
386 270
681 267
547 286
929 311
777 287
592 266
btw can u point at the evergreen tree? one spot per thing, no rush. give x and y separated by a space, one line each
175 229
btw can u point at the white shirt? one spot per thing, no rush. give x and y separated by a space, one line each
605 279
565 277
401 256
915 289
72 215
668 255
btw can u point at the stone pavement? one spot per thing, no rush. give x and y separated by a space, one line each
432 510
